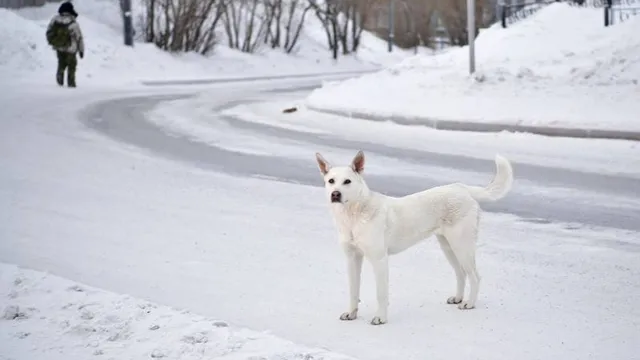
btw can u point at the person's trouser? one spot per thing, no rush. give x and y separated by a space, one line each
66 61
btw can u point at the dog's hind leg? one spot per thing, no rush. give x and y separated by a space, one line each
460 275
462 239
468 263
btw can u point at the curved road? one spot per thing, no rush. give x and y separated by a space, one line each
124 119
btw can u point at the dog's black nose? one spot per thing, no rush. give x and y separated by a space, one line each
336 196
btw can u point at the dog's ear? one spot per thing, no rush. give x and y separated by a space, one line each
358 162
323 164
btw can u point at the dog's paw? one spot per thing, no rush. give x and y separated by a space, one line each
349 315
454 300
466 305
378 321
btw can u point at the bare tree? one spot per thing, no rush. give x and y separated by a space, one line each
273 13
343 22
284 17
297 11
182 25
149 32
327 13
244 25
191 25
353 16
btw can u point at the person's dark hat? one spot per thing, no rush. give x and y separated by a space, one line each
67 7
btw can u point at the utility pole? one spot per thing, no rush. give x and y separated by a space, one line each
128 22
471 34
392 9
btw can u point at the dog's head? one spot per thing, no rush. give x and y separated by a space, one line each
343 184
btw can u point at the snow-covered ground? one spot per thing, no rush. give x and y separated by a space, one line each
560 67
194 118
48 317
26 57
262 255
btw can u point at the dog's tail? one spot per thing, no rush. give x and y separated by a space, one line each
499 186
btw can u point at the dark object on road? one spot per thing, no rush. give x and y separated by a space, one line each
290 110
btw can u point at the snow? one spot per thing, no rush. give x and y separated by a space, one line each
263 255
561 67
48 317
588 155
25 56
195 119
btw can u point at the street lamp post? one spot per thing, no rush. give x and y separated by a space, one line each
471 34
391 23
128 22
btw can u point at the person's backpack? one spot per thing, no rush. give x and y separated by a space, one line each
59 36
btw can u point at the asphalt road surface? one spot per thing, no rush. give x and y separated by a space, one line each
124 120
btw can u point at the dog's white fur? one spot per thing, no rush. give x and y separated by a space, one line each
374 226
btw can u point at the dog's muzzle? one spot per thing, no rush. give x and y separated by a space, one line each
336 197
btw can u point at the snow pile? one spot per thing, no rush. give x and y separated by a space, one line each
45 314
25 53
559 43
30 55
559 67
602 156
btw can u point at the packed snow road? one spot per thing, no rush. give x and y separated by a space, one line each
542 193
101 189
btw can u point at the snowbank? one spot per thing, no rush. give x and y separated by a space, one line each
560 67
25 55
586 155
45 314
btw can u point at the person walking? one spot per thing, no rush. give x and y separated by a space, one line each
65 36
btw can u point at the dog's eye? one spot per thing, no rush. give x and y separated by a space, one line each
347 182
331 181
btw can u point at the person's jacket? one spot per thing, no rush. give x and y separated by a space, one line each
77 41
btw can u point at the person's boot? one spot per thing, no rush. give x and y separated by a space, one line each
60 78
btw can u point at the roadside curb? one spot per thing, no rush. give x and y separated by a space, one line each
224 80
453 125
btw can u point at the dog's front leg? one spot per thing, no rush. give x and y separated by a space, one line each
381 272
354 268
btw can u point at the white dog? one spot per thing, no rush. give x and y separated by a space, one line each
374 226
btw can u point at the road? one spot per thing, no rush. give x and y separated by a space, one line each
582 203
